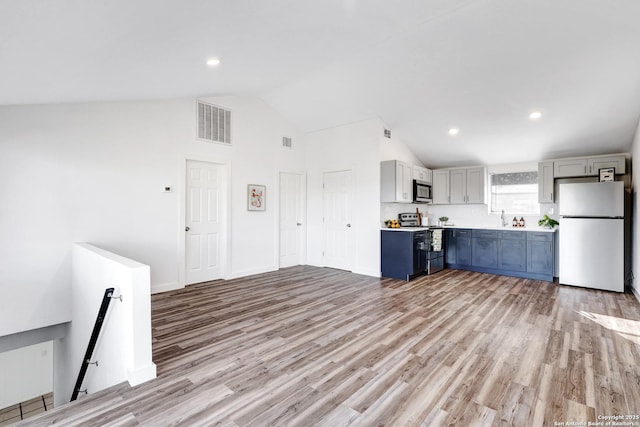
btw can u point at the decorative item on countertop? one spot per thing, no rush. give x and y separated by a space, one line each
419 217
515 222
443 220
521 222
548 222
392 223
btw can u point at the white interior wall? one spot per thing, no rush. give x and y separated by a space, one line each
352 147
256 157
26 373
83 172
95 172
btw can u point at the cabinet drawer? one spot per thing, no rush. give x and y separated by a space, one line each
513 235
539 236
485 234
461 233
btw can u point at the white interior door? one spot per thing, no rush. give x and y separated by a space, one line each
338 227
203 229
291 224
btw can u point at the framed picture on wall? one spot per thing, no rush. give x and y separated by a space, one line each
606 174
256 197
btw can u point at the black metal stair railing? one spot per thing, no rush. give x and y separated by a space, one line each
104 306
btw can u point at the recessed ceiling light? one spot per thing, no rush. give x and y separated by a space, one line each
535 115
454 131
213 62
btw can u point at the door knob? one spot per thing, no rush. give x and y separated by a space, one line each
187 229
349 225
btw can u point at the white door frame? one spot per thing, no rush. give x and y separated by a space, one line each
303 232
225 241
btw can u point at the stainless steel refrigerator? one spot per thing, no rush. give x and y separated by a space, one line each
591 237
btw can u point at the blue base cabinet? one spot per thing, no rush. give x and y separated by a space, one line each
539 246
399 256
527 254
484 248
512 251
457 246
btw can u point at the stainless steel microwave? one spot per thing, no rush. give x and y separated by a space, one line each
421 192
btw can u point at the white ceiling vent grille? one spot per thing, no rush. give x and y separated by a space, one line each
214 123
387 133
287 142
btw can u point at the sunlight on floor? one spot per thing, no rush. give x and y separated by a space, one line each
629 329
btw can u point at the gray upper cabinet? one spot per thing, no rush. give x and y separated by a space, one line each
440 187
476 183
458 186
465 185
545 182
569 167
588 166
396 182
616 162
422 174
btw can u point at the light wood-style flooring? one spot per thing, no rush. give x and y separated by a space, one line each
314 346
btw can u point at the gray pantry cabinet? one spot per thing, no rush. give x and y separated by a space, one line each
527 254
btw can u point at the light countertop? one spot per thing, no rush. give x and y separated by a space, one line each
508 228
476 227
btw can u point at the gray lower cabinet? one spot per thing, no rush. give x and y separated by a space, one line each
528 254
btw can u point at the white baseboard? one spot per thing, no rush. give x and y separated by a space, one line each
141 375
366 272
636 293
245 273
165 287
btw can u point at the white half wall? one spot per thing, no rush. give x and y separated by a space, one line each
123 350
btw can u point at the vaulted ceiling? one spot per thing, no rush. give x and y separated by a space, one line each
421 66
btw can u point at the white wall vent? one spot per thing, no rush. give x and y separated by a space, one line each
387 133
214 123
287 142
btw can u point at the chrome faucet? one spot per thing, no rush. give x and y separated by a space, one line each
504 219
